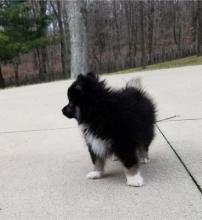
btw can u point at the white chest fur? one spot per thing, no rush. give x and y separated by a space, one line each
100 147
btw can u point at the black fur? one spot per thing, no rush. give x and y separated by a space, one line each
126 117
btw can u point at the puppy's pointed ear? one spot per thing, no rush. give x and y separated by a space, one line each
80 82
79 88
80 76
92 75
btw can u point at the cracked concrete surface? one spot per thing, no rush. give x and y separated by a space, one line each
43 159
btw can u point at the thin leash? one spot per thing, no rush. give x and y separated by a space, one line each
166 119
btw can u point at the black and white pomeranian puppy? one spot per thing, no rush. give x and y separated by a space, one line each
119 122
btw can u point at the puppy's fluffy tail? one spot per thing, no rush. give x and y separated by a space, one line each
135 83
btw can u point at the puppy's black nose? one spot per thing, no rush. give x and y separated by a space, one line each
68 111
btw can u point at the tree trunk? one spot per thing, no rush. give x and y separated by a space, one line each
177 26
199 41
151 28
35 60
194 20
116 30
43 50
143 57
16 71
132 27
78 37
63 42
42 65
2 82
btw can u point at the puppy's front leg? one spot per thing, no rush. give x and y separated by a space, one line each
99 164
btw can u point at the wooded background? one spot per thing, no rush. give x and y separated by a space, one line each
37 37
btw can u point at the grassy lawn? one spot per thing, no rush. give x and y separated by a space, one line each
188 61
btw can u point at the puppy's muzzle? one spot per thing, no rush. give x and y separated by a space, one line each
68 111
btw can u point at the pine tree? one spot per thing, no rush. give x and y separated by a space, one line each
20 32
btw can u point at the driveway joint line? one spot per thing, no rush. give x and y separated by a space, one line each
35 130
180 159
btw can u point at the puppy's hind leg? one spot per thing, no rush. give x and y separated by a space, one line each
131 168
143 155
99 164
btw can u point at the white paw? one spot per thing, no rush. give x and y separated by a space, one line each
144 160
94 175
135 180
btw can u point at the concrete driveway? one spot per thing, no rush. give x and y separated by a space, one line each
43 159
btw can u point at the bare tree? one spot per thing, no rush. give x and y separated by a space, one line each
2 82
199 41
150 29
177 26
39 9
194 19
57 9
15 63
132 30
143 57
116 29
78 36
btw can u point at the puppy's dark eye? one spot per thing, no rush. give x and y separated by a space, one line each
72 100
70 104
